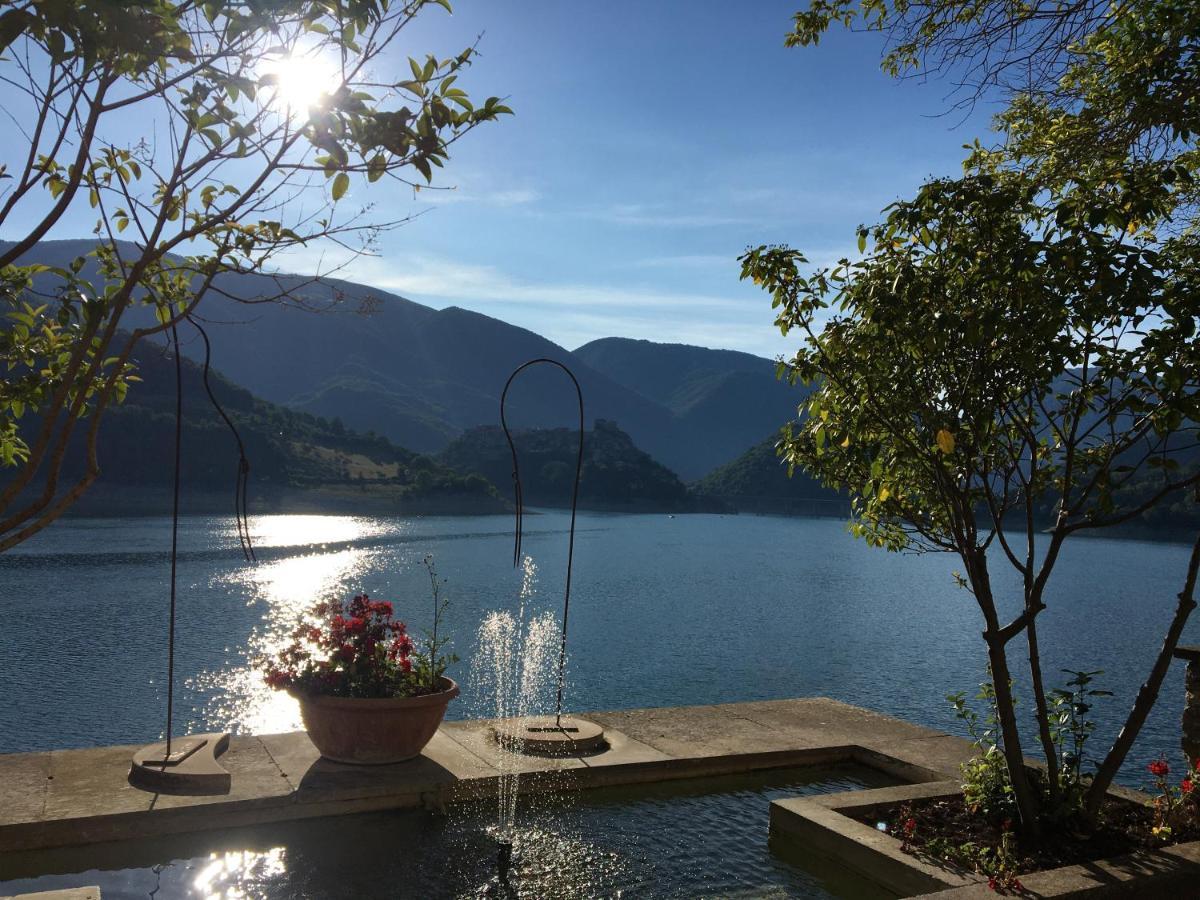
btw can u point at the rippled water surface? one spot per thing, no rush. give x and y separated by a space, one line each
684 840
666 611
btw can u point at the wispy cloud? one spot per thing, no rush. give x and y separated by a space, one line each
508 197
481 186
689 261
573 313
663 216
444 279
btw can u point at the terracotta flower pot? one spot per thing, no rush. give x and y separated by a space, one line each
373 732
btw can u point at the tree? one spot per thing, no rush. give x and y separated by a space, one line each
1093 88
1099 143
999 360
176 122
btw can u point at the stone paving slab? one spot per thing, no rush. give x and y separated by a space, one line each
81 893
65 798
24 781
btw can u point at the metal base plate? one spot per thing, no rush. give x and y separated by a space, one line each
192 767
546 737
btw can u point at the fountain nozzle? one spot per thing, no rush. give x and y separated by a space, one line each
504 860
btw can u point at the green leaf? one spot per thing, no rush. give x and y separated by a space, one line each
12 23
340 185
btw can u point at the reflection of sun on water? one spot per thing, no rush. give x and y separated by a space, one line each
288 588
239 873
299 531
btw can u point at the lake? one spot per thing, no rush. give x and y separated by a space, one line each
665 611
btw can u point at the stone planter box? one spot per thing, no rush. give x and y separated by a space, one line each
824 824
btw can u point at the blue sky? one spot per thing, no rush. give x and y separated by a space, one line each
652 143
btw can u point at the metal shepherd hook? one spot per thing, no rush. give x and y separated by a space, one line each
519 502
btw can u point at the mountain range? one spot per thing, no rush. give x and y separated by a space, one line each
615 473
298 462
421 376
368 386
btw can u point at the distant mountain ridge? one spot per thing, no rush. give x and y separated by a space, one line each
297 461
421 376
616 474
758 481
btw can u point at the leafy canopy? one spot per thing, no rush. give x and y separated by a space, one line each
167 120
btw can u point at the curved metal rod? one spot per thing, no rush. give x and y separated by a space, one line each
240 500
519 501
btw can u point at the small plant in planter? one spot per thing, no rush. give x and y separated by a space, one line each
1176 807
368 692
977 829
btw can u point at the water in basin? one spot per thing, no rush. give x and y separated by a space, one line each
693 838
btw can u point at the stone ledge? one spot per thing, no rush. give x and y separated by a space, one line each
65 798
1189 652
1171 872
822 824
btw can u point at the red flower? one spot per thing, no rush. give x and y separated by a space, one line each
1159 768
994 883
910 825
406 664
359 605
1187 785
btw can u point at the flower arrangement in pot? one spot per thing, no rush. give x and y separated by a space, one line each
368 693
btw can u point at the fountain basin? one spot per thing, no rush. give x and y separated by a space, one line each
686 838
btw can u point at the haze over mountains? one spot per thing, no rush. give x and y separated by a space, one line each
421 377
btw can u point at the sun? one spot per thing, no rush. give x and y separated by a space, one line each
301 83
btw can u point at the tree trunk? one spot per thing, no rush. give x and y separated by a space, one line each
1148 693
1027 804
1043 712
